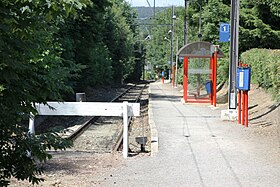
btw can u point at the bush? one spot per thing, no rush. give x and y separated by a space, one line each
265 64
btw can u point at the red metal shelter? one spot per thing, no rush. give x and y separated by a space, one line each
200 71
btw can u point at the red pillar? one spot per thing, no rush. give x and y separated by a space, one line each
215 76
239 107
173 76
246 108
211 77
243 109
185 79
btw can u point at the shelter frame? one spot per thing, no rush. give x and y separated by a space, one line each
200 50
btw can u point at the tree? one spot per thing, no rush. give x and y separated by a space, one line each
83 42
31 70
119 38
101 39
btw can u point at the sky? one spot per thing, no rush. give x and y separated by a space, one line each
159 3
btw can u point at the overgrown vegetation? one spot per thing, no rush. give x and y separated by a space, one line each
102 39
265 66
31 70
49 48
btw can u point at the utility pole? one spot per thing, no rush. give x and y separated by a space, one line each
176 61
171 42
234 32
199 25
185 24
154 9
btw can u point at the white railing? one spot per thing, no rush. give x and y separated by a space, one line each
124 109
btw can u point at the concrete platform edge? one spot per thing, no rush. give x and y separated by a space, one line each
154 132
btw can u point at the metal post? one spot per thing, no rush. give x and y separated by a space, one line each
173 75
185 80
199 24
215 76
125 129
239 107
233 53
185 24
243 109
171 42
176 61
154 9
246 109
211 77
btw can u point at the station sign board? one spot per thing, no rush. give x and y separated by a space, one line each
243 78
224 32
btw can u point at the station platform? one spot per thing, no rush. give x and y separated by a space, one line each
192 146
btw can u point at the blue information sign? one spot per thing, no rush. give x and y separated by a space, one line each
224 32
243 78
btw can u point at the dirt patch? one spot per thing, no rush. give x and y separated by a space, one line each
264 113
76 169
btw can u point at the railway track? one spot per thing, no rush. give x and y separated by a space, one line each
133 96
83 127
102 134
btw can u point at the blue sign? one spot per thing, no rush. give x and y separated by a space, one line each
243 78
224 32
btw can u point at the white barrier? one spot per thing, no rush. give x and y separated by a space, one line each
124 109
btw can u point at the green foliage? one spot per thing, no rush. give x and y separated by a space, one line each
259 27
119 38
273 5
265 66
147 12
31 70
47 48
81 38
21 154
254 32
101 38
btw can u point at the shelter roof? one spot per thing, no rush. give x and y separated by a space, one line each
199 50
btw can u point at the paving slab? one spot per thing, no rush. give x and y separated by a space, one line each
197 148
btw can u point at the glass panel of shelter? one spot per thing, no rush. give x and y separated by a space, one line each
199 74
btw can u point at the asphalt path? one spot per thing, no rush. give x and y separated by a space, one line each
196 148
